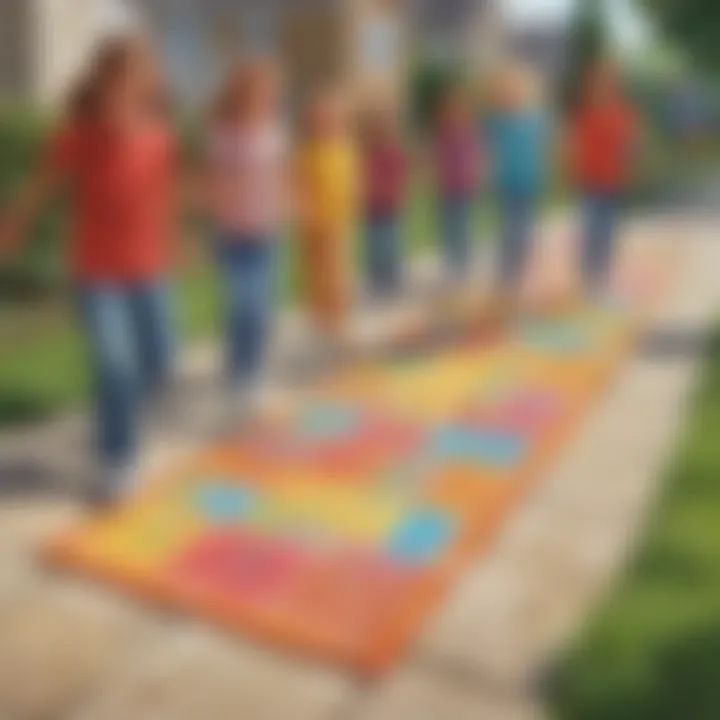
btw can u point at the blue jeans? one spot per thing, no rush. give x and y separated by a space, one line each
247 266
130 340
456 229
600 214
383 255
517 226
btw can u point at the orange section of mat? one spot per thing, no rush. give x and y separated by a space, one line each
336 531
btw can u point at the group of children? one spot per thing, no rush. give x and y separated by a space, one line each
117 156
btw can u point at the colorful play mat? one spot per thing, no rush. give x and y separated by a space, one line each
336 530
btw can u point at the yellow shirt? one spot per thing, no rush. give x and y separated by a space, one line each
328 178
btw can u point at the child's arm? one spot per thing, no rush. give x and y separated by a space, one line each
14 224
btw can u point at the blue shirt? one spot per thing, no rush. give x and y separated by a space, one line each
517 144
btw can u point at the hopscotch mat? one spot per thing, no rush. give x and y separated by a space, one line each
336 530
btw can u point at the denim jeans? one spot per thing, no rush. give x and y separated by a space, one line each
383 253
600 213
456 229
517 226
130 340
247 266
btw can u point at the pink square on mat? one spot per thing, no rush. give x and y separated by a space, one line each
240 566
526 413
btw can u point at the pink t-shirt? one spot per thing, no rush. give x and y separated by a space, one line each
247 170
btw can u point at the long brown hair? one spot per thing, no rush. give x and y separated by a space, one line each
242 82
110 60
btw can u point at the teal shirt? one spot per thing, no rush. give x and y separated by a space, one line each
518 148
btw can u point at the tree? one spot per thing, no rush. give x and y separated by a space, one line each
694 25
589 42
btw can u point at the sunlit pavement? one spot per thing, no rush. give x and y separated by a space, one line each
70 649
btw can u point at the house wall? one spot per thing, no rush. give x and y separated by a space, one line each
43 44
467 31
313 43
378 47
16 64
64 34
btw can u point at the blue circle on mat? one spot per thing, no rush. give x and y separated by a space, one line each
457 443
329 421
223 504
422 537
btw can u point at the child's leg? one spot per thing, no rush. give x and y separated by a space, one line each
517 223
456 229
327 282
106 318
599 214
383 254
154 330
247 268
394 253
374 238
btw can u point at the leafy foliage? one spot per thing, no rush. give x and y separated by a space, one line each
589 41
694 25
653 653
430 81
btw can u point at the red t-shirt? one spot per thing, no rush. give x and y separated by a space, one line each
121 198
602 143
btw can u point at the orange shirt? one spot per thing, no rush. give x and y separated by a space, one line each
122 199
602 140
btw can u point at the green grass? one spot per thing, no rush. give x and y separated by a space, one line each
653 653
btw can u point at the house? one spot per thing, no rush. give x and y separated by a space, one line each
365 45
359 43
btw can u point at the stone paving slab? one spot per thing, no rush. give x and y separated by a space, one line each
58 642
427 693
191 673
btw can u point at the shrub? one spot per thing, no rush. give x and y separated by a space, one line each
430 80
37 269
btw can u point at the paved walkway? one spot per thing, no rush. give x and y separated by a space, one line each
71 650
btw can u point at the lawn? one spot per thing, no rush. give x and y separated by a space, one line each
653 653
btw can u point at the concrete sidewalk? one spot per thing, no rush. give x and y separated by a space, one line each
73 650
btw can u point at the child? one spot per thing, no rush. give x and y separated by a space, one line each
517 135
116 155
457 177
603 133
384 178
246 182
327 192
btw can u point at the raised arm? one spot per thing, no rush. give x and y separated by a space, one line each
17 220
18 217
